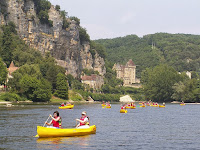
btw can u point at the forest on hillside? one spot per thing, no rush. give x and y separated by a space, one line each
181 51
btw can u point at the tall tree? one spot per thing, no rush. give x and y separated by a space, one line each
3 72
61 86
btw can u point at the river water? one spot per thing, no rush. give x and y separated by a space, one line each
173 127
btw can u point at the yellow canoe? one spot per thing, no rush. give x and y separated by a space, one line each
52 132
67 107
103 105
143 106
123 111
108 106
155 105
140 103
130 107
182 104
161 106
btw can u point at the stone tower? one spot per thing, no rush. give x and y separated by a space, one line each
126 72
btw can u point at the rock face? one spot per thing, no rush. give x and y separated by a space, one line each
63 44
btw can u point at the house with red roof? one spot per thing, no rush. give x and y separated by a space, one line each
11 69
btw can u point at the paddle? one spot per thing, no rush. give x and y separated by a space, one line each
43 125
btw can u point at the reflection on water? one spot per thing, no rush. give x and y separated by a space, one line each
51 143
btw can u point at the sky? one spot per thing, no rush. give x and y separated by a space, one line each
117 18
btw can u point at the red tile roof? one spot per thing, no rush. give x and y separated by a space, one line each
130 63
12 68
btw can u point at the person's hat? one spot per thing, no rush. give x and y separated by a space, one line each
83 113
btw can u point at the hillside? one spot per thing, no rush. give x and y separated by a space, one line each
48 29
181 51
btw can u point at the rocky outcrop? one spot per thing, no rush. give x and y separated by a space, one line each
126 99
63 44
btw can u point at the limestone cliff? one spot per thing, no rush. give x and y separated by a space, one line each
63 44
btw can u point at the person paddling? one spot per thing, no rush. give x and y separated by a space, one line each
83 121
56 120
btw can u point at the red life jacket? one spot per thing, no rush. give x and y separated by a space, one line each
122 107
82 119
55 123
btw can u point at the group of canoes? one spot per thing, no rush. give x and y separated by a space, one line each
143 104
106 105
82 128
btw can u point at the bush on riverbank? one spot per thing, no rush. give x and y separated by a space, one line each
12 97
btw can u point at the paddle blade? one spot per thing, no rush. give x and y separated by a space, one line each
36 135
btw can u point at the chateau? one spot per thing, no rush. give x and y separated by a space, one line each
126 72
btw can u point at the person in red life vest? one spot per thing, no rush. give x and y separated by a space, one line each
108 103
68 103
62 104
122 106
56 120
83 121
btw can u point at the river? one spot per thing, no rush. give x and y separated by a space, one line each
173 127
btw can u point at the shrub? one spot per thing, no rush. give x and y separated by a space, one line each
11 97
84 37
75 19
57 7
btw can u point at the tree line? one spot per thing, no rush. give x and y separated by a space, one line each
181 51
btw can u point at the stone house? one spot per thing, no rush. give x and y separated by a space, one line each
127 73
94 81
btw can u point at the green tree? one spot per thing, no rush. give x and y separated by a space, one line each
158 82
3 72
70 80
84 37
57 7
75 19
61 86
35 89
43 16
7 42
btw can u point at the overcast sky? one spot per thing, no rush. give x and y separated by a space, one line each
115 18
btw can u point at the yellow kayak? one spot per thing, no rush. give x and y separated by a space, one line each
155 105
52 132
108 106
143 106
140 103
103 105
67 107
161 106
130 107
123 111
182 104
